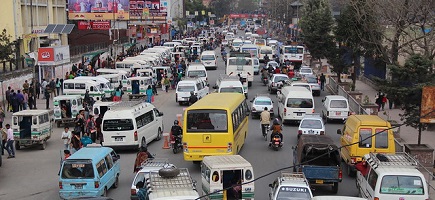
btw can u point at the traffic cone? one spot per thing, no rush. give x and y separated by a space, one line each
166 141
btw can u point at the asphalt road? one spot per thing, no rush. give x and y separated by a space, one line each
33 173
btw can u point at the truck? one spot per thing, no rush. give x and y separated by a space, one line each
289 186
319 159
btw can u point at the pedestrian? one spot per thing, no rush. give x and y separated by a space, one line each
91 129
8 99
149 93
2 116
38 91
47 97
384 101
43 87
98 123
118 94
79 122
26 85
25 99
154 86
31 101
53 88
4 135
390 101
76 144
322 82
14 102
58 84
378 100
20 97
10 141
167 83
66 137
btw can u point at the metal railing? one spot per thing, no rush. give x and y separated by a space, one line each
333 84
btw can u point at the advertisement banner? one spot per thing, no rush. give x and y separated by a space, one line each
93 25
163 6
137 9
98 9
427 113
53 55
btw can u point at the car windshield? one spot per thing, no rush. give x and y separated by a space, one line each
231 90
207 121
266 51
197 73
118 125
306 71
299 103
263 102
311 123
293 193
338 104
207 57
77 169
400 184
293 50
185 88
280 78
311 80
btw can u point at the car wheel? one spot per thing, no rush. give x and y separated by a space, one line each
335 188
43 145
116 184
105 192
159 134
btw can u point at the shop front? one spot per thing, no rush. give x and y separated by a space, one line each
53 61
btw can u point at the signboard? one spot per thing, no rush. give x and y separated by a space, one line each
53 55
98 9
427 114
137 9
93 25
211 22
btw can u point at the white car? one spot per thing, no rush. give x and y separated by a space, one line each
273 64
276 82
258 104
225 42
311 124
305 70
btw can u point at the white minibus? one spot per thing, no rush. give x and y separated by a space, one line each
79 87
209 59
103 82
294 102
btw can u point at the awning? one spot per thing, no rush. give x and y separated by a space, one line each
89 56
129 45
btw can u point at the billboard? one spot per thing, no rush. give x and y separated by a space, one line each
98 9
157 7
93 25
53 55
427 114
137 9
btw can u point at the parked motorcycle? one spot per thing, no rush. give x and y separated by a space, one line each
176 144
276 143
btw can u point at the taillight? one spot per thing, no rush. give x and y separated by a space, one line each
285 111
186 149
271 110
96 184
353 160
230 147
376 198
340 174
60 185
133 192
300 132
322 132
135 136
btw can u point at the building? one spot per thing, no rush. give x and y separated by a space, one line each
26 20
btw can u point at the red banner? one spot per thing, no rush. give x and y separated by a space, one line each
247 15
93 25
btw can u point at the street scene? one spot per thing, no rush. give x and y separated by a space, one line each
202 100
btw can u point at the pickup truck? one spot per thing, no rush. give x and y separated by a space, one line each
317 157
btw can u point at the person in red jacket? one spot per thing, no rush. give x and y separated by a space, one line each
291 73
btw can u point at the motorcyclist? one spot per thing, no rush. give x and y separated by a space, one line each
264 120
193 98
176 129
224 55
264 74
276 130
266 59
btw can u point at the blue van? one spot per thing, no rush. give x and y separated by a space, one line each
89 172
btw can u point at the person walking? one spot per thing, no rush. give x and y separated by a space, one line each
66 137
10 141
20 97
58 84
26 85
38 91
2 116
322 82
47 97
8 99
31 101
91 129
4 135
25 99
53 88
14 102
44 87
98 123
76 144
149 93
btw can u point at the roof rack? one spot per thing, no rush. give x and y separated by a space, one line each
155 162
400 159
293 176
181 181
124 104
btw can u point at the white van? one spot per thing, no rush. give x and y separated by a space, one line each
128 64
104 84
256 65
144 73
230 84
294 103
115 80
209 59
101 107
138 84
335 107
171 44
391 177
265 50
221 172
132 124
302 84
66 108
185 86
79 87
236 44
196 70
151 60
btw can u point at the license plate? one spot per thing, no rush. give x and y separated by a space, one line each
338 113
78 186
299 114
119 139
319 181
276 142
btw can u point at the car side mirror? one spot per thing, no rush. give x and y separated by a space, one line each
323 100
160 113
214 87
339 131
270 185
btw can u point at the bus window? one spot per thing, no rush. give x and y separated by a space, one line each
207 120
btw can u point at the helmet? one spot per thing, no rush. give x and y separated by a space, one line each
176 122
276 121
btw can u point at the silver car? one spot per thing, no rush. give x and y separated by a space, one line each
311 124
314 83
258 105
276 82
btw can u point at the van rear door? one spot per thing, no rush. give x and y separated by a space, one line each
77 177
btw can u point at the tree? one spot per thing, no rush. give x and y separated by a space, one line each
222 7
316 24
246 6
405 87
6 46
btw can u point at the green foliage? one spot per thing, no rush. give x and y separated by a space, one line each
196 5
221 7
316 24
406 86
6 49
246 6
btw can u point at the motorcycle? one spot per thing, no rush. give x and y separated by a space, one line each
276 143
176 144
265 132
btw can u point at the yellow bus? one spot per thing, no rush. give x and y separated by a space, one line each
215 125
